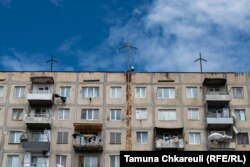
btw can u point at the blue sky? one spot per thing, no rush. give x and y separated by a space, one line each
84 35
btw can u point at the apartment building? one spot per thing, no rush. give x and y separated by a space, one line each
83 119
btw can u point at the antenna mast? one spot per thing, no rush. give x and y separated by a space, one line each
52 61
200 59
129 47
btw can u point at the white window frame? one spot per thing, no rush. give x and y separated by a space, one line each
90 92
194 138
16 139
116 113
191 114
19 114
15 161
115 92
141 114
242 114
19 92
62 114
65 91
167 115
140 137
93 160
1 90
60 159
116 160
191 92
170 92
90 114
235 92
140 92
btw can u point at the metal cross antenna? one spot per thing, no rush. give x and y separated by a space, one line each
200 59
52 60
128 46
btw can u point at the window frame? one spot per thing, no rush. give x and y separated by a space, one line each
94 94
140 95
115 111
1 91
116 162
92 114
140 136
117 138
12 156
17 135
167 115
168 93
195 137
192 94
240 141
235 95
63 135
139 111
20 112
63 117
190 115
63 91
114 90
62 159
240 112
21 92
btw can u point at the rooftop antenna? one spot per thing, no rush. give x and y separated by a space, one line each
52 60
129 47
200 59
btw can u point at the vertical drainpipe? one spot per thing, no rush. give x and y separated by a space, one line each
8 85
128 112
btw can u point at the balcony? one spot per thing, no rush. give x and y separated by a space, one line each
88 143
40 98
219 122
38 121
36 146
175 143
222 146
217 97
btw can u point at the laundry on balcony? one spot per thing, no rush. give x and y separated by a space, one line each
218 138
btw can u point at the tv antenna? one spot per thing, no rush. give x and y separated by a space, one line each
52 61
200 59
129 47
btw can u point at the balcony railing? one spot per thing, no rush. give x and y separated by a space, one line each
222 145
40 98
94 143
36 145
38 120
217 96
36 165
174 143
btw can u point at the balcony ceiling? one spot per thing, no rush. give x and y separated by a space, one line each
214 81
42 80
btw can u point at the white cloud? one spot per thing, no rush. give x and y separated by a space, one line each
170 34
57 2
67 45
6 3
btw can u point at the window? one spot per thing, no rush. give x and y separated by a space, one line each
90 114
192 92
142 137
237 92
140 92
194 138
17 114
166 93
41 136
115 138
213 91
115 115
240 114
193 113
19 92
63 114
61 160
1 91
166 114
90 92
13 161
116 92
65 91
114 161
242 138
141 113
90 161
14 137
62 137
39 161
